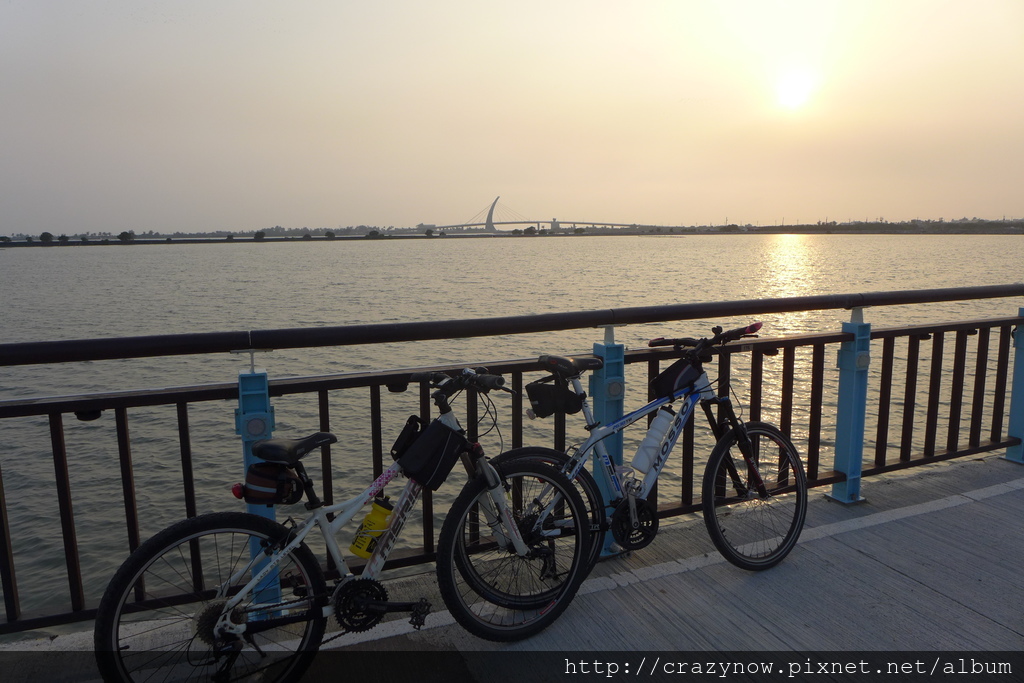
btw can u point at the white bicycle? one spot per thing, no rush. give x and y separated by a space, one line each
233 595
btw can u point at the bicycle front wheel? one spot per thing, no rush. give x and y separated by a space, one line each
158 620
754 507
490 589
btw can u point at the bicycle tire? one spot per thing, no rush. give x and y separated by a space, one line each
155 619
494 593
751 530
584 482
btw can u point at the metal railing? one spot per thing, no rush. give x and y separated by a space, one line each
913 421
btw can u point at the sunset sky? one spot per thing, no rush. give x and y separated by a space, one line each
199 115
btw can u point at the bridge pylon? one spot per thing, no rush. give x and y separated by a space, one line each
489 225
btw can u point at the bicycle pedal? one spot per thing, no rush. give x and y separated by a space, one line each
419 614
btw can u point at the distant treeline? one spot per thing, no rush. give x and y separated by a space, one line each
278 234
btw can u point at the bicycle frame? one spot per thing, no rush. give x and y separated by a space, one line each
690 396
345 512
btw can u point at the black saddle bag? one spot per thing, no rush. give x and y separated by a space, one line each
428 454
548 397
272 483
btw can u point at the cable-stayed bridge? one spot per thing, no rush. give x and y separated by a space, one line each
496 214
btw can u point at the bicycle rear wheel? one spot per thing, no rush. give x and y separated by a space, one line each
755 529
492 591
584 483
157 618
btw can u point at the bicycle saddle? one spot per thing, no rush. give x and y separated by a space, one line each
290 451
570 367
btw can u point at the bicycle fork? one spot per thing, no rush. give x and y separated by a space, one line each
722 428
498 513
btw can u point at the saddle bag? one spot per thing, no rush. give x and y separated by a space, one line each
679 375
547 398
427 455
271 483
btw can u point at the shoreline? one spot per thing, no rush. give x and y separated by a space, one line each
1012 229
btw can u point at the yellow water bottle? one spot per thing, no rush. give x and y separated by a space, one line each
372 527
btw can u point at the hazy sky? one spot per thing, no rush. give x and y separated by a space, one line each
193 115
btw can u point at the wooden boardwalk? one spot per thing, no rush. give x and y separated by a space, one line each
931 561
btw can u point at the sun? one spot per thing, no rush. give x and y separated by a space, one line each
794 88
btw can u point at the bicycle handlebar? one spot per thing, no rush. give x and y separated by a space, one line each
719 338
468 379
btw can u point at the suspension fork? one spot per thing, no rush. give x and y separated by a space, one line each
497 511
728 422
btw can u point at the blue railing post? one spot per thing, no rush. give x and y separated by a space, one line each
254 419
854 360
1016 453
607 392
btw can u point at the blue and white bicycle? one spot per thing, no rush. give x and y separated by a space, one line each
754 492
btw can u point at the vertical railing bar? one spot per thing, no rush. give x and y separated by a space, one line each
517 409
191 509
724 374
686 488
326 462
188 480
788 384
326 455
1002 381
8 578
756 384
124 451
931 424
817 403
980 380
956 391
427 497
472 416
376 431
560 433
884 401
653 368
131 505
67 515
910 398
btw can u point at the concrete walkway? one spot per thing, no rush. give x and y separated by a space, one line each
930 562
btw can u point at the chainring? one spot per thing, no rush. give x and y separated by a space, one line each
350 601
632 537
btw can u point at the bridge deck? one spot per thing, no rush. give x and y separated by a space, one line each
930 562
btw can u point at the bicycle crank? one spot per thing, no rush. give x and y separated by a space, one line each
634 523
360 604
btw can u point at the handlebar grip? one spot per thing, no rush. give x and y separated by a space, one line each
741 332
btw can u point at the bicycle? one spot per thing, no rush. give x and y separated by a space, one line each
754 491
231 595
